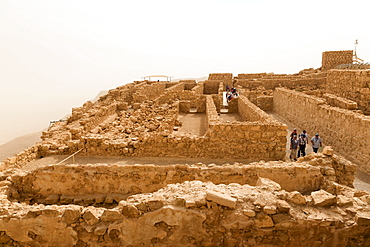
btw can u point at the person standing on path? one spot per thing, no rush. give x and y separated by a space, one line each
316 143
293 147
305 135
294 133
302 145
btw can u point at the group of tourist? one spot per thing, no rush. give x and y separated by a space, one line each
298 144
231 93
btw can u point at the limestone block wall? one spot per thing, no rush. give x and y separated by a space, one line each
211 87
227 78
265 102
351 84
198 89
233 105
95 182
251 76
149 91
21 158
189 84
310 82
250 140
330 59
170 95
345 130
340 102
250 112
190 213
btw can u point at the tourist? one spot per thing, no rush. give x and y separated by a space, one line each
306 135
302 141
227 88
293 147
316 143
294 133
229 96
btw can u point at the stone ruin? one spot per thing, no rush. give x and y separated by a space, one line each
208 173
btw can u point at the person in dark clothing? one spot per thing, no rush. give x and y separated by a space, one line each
302 145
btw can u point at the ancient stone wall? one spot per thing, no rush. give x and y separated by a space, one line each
149 91
189 84
173 95
310 82
250 112
226 78
345 130
330 59
340 102
351 84
198 89
73 183
211 87
274 203
265 102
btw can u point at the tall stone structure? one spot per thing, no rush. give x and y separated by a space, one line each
331 59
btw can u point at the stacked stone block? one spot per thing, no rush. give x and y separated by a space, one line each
331 59
227 78
351 84
340 102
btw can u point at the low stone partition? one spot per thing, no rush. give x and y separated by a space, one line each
309 82
66 183
198 89
211 87
345 130
250 112
21 158
226 78
149 91
265 102
273 203
340 102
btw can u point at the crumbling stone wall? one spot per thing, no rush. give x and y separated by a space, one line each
270 82
102 183
331 59
299 205
150 91
351 84
78 184
345 130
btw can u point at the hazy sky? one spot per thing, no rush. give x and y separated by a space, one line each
55 55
